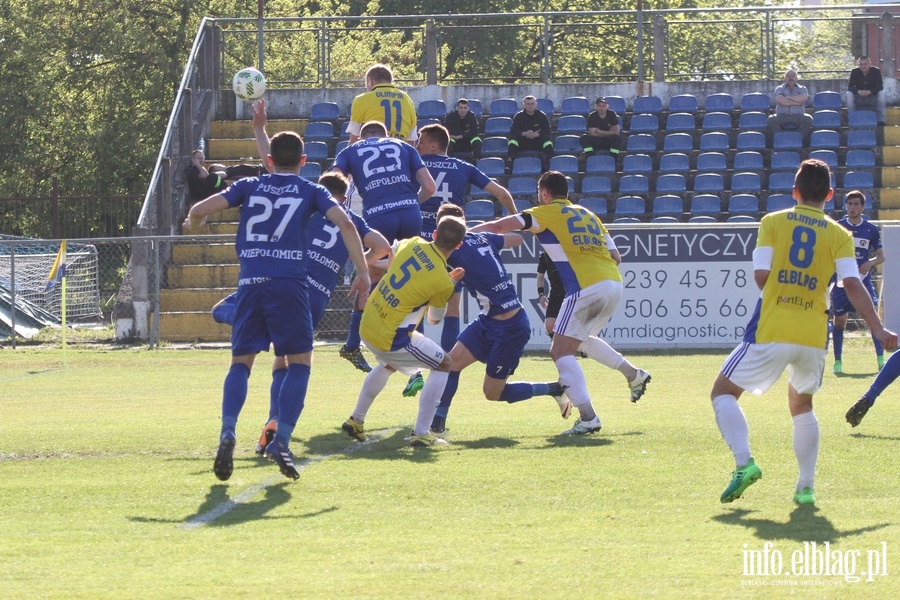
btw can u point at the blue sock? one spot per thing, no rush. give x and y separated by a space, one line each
838 335
353 341
518 391
449 333
278 376
290 401
234 394
879 348
449 392
886 377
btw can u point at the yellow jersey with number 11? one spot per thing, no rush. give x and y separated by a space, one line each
386 104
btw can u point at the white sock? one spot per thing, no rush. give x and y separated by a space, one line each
371 387
571 375
598 350
806 447
429 400
733 427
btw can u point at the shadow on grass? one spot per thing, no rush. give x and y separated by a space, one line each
382 444
804 524
869 436
855 375
485 443
577 441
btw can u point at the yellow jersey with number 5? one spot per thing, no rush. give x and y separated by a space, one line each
417 278
575 240
805 245
386 104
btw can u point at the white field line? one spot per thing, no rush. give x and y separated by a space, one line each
249 493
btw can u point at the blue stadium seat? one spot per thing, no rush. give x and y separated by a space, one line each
600 163
826 119
494 146
678 142
674 162
566 164
545 105
626 220
785 160
683 103
595 205
630 205
751 140
711 162
647 104
575 105
715 141
340 146
779 202
637 163
748 160
325 111
787 140
743 203
753 121
702 219
526 166
522 204
862 119
345 132
741 219
864 159
617 104
480 210
706 203
827 101
641 142
756 102
634 184
719 103
504 107
664 219
522 186
319 130
824 138
743 183
431 109
311 171
716 121
570 183
861 138
492 166
475 107
497 126
316 151
567 144
858 180
596 185
576 124
668 205
671 183
420 123
680 122
709 183
781 182
644 122
829 157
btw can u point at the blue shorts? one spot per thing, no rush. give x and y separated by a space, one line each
318 302
276 312
840 303
498 344
400 224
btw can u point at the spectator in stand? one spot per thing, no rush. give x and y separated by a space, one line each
530 132
203 182
602 130
790 107
463 128
865 89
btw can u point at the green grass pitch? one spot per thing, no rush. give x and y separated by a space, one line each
107 490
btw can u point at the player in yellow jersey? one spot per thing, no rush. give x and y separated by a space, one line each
797 251
416 280
588 264
384 102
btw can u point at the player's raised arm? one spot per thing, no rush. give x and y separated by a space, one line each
504 225
260 119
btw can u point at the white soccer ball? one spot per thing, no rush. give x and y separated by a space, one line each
248 84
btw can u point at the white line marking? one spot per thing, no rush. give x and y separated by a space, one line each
249 493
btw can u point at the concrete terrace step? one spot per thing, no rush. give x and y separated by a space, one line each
191 299
244 129
201 276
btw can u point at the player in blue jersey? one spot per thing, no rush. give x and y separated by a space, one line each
499 335
393 182
869 253
271 245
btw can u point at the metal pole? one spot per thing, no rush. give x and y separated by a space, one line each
640 46
12 292
259 32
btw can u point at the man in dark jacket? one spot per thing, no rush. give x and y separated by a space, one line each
865 89
530 132
463 128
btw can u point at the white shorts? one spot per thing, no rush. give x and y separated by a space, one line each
420 353
586 312
756 367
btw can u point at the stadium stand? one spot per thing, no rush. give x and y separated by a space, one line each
683 103
637 163
432 109
711 162
503 107
325 111
575 105
674 162
599 163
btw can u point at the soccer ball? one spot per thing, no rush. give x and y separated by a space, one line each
248 84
